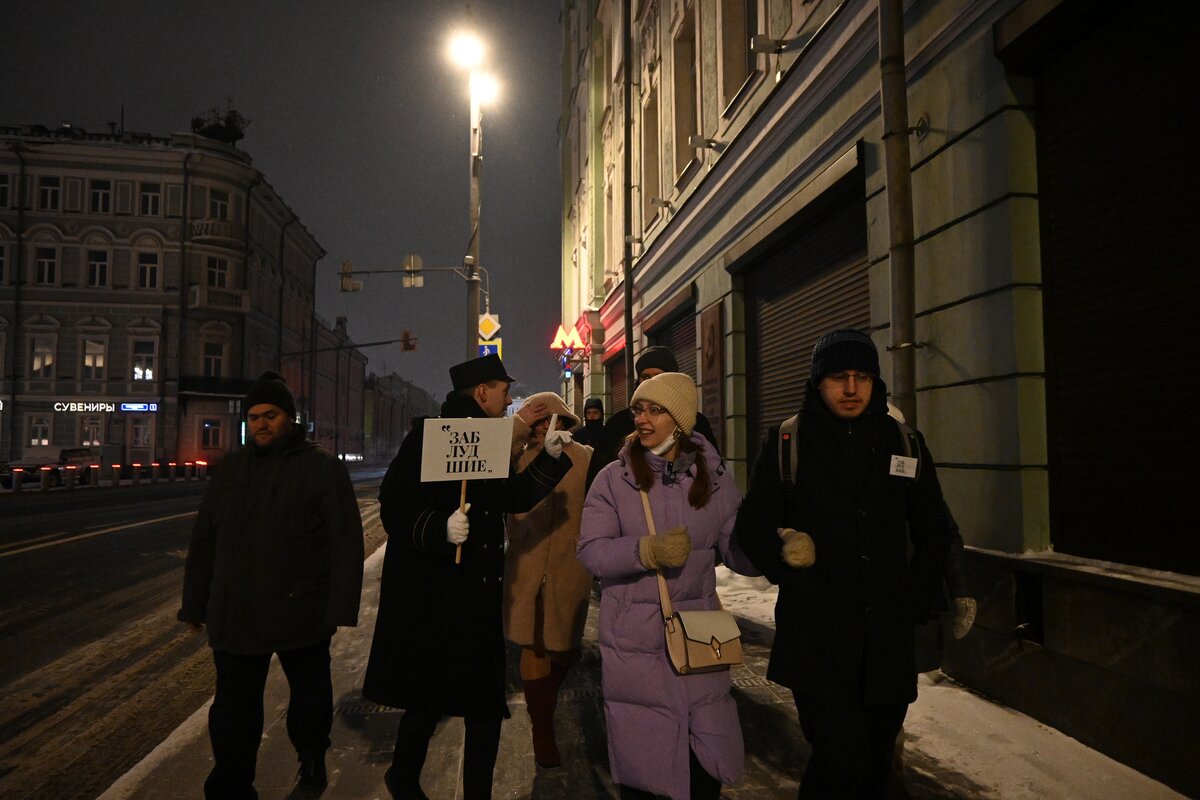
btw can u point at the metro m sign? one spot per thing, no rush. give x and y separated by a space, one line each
564 340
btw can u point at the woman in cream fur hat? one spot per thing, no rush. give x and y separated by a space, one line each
545 587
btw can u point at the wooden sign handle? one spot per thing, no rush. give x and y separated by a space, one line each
462 502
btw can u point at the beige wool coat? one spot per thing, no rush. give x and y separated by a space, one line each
541 555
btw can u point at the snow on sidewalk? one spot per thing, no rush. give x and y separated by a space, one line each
972 746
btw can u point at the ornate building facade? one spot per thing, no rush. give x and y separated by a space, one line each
728 156
144 283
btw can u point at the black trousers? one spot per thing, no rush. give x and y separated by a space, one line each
479 752
235 720
852 748
703 785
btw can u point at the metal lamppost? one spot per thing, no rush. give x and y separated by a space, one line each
467 51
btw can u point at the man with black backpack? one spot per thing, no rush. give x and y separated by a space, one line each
839 497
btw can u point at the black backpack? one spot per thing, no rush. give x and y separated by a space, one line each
789 457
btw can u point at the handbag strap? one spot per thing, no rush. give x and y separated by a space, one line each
664 597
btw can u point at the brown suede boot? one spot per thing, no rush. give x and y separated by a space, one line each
541 697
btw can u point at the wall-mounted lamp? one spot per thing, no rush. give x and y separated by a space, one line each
704 143
762 43
661 203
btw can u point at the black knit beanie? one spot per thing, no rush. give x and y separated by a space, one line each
843 349
657 357
270 388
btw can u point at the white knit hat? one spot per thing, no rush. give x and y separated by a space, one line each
675 392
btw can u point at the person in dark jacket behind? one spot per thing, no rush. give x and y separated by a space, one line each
593 422
275 566
835 539
438 648
608 442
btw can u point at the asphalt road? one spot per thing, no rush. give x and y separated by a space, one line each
95 671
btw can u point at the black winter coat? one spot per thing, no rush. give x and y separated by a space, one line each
276 557
439 635
844 626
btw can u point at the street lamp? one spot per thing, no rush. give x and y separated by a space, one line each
467 51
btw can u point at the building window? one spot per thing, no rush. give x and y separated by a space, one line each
214 357
139 432
738 21
147 271
651 180
41 356
93 360
210 434
218 204
218 272
49 191
89 430
39 431
684 63
97 274
151 200
46 266
3 191
101 197
144 355
3 261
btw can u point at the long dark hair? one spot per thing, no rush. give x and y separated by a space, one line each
701 490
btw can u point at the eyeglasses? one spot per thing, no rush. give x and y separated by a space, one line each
650 411
845 377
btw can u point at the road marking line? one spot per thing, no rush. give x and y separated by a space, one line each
96 533
31 541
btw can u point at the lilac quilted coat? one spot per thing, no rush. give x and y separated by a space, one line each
653 714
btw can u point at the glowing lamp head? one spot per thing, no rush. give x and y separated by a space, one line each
466 50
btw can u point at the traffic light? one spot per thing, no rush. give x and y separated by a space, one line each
349 284
413 279
407 342
564 362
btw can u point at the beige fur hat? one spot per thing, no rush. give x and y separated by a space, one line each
675 392
556 406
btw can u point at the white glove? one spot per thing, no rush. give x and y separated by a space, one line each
964 615
457 526
556 441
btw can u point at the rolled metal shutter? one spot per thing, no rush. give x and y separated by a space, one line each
1122 289
680 336
814 282
615 367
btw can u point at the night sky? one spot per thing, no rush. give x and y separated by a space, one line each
359 120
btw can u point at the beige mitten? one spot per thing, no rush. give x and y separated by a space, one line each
798 548
668 549
964 615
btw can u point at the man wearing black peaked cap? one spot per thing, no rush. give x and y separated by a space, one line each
438 648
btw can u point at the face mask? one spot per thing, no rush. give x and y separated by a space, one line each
667 443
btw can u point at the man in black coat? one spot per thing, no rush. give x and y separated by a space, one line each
438 648
593 422
611 438
275 566
836 539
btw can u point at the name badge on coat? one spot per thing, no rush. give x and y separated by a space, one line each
903 467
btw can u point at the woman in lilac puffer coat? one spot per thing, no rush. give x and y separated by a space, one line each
669 735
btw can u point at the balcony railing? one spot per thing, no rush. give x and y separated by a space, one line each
210 298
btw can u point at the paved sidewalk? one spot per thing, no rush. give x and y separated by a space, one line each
958 745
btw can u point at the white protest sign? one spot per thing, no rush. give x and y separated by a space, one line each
466 449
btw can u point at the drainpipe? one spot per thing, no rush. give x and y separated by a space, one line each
893 96
627 165
18 280
184 276
282 275
241 370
